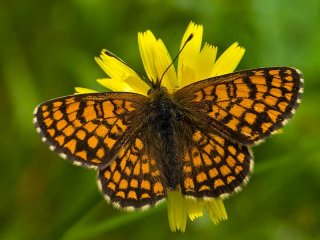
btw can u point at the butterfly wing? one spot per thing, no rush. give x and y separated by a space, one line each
88 129
133 180
245 106
214 166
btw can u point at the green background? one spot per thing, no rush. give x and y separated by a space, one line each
47 48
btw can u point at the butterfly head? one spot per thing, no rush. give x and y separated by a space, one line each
156 89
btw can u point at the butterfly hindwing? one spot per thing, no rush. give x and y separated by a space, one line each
214 166
87 128
133 180
246 106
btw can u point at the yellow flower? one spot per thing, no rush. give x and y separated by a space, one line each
194 64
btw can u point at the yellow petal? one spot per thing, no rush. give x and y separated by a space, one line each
228 61
189 56
205 62
118 71
156 60
116 85
215 209
177 213
81 90
194 207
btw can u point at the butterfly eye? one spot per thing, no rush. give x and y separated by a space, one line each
163 89
151 91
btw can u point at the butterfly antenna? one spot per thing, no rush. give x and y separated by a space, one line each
143 77
175 58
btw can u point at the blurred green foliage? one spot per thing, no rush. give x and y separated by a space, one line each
47 48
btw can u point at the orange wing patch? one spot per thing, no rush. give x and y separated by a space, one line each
214 167
88 128
133 179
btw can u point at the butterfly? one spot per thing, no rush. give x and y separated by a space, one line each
196 139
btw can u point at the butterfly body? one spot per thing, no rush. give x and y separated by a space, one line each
196 139
160 121
163 119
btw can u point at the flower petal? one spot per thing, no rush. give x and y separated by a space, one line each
228 61
215 209
205 62
156 59
177 213
81 90
189 56
116 85
118 71
194 207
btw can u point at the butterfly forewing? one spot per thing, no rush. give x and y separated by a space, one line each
246 106
87 129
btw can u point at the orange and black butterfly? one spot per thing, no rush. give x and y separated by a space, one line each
196 139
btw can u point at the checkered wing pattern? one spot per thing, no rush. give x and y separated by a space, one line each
133 180
87 129
214 166
247 106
